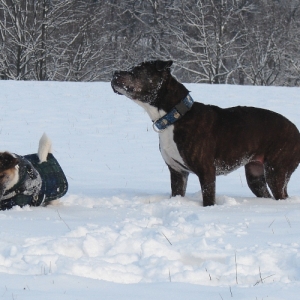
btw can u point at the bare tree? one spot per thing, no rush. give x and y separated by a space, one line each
291 44
80 50
207 38
28 29
214 41
51 39
261 58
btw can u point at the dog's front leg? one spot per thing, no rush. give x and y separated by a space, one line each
208 185
178 182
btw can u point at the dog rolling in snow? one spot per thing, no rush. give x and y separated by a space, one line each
34 179
208 140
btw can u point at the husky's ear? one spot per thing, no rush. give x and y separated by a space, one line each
7 161
163 65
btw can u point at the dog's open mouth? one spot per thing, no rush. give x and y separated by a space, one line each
115 90
119 87
116 84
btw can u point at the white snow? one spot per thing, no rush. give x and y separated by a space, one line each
117 234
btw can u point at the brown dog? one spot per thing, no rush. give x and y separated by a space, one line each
207 140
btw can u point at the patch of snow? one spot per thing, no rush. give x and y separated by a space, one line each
117 234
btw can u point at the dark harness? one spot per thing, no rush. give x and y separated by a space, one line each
39 183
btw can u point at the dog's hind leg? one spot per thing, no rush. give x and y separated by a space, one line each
277 181
178 182
256 179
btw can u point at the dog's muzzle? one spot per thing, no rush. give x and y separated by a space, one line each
115 82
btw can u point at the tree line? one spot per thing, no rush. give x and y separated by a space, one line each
252 42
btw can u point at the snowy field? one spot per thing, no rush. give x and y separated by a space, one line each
117 234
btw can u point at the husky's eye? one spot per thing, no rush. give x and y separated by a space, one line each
2 176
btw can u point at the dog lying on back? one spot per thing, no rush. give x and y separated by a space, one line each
35 179
207 140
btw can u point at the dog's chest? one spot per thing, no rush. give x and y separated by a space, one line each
169 150
168 147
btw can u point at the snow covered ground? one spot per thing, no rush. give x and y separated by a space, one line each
116 234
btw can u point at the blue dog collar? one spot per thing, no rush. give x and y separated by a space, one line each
174 115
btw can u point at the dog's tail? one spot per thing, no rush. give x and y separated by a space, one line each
45 147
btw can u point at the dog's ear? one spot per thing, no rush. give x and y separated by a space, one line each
163 65
7 161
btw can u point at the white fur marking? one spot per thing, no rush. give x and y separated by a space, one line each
14 179
152 111
168 147
45 147
169 150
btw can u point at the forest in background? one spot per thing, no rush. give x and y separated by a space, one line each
245 42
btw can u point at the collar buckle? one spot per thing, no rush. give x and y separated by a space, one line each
156 127
174 115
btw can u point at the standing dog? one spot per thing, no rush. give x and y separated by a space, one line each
207 140
34 179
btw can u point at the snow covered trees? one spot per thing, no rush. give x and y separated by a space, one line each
51 40
214 41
